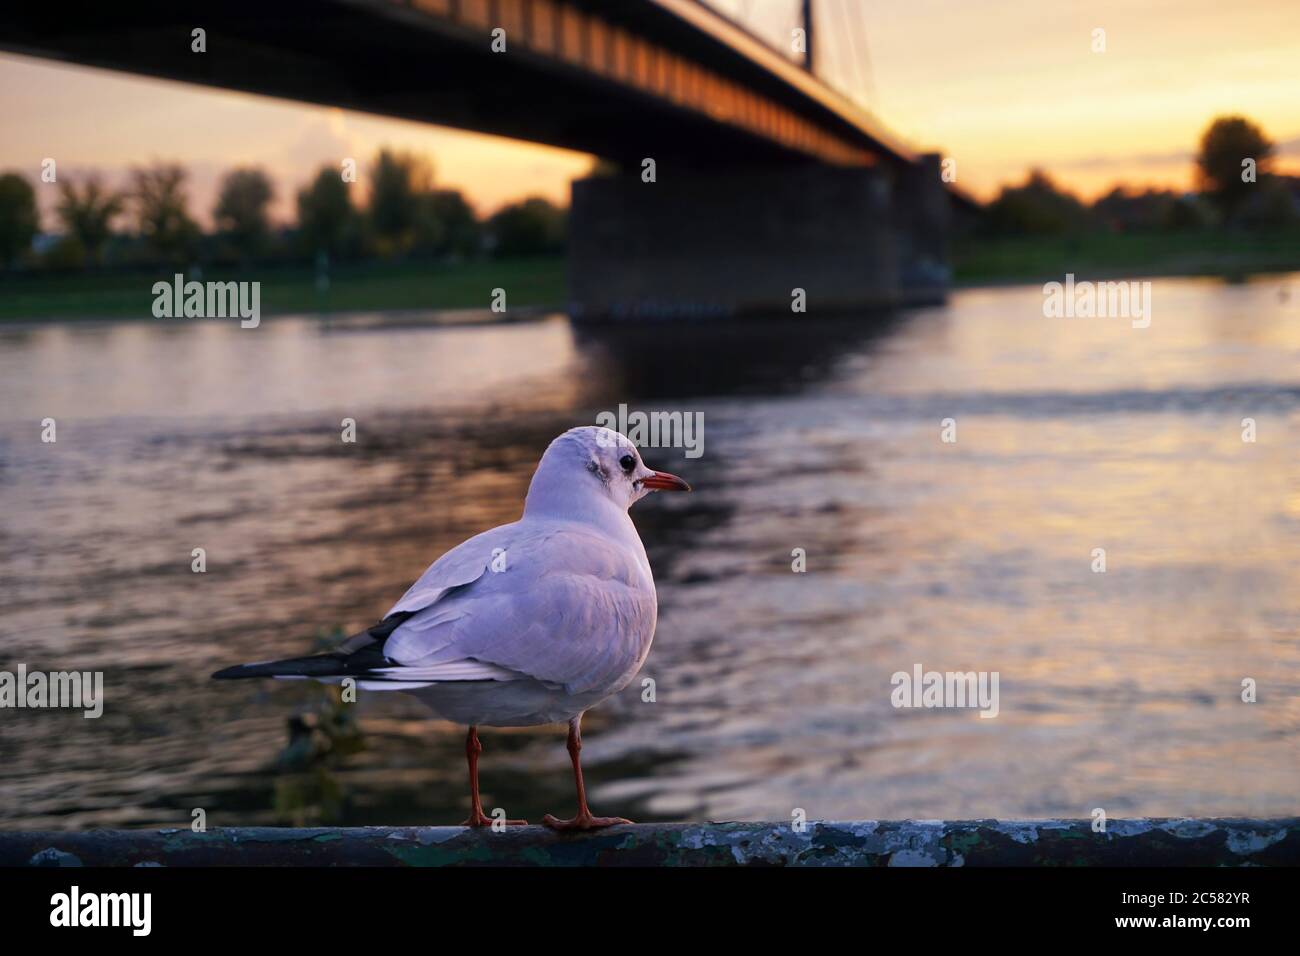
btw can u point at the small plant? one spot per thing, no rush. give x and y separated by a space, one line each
307 792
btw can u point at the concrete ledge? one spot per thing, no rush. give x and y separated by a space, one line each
1154 842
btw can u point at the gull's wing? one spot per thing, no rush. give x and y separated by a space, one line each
560 604
552 601
462 565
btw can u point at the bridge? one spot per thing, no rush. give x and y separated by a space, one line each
768 187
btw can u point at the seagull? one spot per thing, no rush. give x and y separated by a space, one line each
533 622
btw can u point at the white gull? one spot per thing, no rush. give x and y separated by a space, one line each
532 622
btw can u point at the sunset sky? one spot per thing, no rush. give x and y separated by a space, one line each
1000 85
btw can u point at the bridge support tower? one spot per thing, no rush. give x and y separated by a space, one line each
705 244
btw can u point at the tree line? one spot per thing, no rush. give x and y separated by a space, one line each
148 222
407 216
1236 189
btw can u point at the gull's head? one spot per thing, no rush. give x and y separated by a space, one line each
588 464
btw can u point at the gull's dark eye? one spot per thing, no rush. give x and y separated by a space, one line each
628 463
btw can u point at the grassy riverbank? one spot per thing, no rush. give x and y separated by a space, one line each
1102 255
540 282
370 286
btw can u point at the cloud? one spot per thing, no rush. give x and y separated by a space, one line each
1289 147
1169 158
323 138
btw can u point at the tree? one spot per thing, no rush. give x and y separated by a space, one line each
1188 213
533 227
398 178
1036 208
87 214
241 209
428 235
325 212
65 255
445 225
1124 209
1270 206
462 234
159 202
19 219
1226 145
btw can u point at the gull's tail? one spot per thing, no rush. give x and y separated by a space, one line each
318 665
362 657
359 656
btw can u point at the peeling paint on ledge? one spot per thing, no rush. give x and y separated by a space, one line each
1153 842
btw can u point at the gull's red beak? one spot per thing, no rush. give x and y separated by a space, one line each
662 481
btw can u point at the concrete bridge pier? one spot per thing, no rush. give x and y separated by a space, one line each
923 220
704 244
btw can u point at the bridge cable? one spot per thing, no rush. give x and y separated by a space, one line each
844 35
861 25
844 81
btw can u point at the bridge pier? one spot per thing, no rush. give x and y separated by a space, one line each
923 220
726 244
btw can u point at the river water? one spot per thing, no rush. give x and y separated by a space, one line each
772 689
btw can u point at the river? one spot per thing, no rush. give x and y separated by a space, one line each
1119 690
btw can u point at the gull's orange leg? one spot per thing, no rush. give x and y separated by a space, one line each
584 820
476 816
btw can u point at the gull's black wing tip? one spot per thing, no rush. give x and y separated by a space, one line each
356 656
236 672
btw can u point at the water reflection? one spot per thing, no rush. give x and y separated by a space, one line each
1119 690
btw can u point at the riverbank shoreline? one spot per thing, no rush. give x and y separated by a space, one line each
1121 275
480 285
422 294
350 320
1020 260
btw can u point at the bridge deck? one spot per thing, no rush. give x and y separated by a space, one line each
661 78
